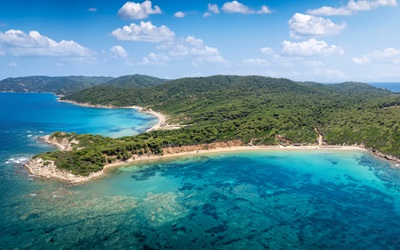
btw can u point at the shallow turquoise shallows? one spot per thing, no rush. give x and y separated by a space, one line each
239 200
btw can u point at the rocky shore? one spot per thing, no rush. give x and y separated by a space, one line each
48 169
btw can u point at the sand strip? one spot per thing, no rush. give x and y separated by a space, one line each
161 118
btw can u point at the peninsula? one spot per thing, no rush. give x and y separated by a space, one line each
216 112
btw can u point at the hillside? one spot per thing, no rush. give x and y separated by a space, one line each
252 109
62 85
120 91
138 81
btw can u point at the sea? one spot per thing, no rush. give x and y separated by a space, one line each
392 86
299 199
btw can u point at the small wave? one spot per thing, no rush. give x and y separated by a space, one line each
41 132
29 135
19 160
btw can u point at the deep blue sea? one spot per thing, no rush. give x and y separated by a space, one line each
393 86
240 200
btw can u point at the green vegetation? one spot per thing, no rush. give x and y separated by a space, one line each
250 108
140 81
62 85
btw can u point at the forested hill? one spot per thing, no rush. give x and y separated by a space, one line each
138 81
247 107
61 85
253 109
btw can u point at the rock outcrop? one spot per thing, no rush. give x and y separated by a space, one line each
64 144
47 169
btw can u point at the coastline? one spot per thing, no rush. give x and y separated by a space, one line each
48 170
160 117
231 150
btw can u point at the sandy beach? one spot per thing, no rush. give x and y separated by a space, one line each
37 167
161 118
230 150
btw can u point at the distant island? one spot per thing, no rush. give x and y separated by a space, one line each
226 111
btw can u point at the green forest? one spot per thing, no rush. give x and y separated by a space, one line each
59 85
253 109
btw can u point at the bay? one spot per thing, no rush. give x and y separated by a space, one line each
299 199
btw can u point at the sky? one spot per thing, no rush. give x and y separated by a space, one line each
303 40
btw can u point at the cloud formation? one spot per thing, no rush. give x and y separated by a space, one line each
267 51
145 31
386 56
352 7
302 25
180 14
213 8
312 47
236 7
132 10
18 43
155 59
118 52
264 10
183 48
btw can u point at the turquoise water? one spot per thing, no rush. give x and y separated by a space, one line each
237 200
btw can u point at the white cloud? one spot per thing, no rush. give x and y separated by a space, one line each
215 59
186 48
132 10
267 51
312 47
194 47
236 7
255 62
13 64
18 43
155 59
302 25
352 7
118 52
213 8
92 9
364 5
264 10
145 31
329 11
386 56
180 14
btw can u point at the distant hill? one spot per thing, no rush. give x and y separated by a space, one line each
120 91
61 85
141 81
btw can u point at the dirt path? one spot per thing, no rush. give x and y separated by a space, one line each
320 138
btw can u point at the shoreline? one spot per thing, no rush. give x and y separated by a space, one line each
231 150
160 117
38 167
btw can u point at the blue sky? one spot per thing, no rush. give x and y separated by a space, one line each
325 41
